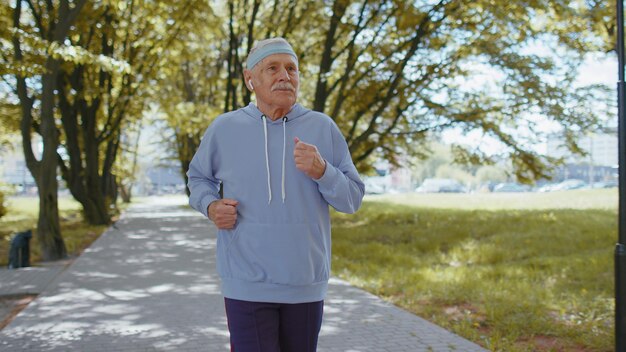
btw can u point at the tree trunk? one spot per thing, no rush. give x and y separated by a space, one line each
321 93
44 171
185 168
231 92
95 208
186 146
48 229
126 192
109 180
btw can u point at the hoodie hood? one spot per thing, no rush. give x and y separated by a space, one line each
296 111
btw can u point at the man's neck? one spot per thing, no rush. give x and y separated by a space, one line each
273 113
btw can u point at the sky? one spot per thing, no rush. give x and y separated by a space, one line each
596 69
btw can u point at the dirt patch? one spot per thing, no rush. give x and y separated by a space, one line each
549 343
464 311
10 306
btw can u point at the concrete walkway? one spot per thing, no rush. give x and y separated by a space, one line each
149 284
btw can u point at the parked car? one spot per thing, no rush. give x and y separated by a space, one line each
510 187
566 185
548 187
373 187
570 184
605 184
441 185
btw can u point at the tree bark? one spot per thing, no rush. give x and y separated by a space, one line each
95 208
186 145
44 171
109 180
321 93
231 92
126 192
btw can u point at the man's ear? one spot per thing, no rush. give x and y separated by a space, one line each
247 78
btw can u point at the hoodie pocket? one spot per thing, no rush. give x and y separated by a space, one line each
289 254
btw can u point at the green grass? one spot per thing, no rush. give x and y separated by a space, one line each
530 272
576 199
22 215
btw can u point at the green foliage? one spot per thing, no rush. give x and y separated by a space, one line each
438 155
525 279
105 65
393 74
190 90
442 163
450 171
22 214
9 123
490 173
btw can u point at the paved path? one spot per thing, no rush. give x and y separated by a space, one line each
150 285
28 281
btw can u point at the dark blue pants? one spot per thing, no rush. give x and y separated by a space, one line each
273 327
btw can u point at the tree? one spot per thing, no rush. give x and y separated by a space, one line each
491 173
128 166
393 74
389 74
103 66
190 89
122 44
201 80
35 76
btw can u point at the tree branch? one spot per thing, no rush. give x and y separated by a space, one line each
67 18
37 16
26 102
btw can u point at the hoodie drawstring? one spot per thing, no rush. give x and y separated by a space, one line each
267 160
284 147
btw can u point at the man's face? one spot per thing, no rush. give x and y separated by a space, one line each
276 81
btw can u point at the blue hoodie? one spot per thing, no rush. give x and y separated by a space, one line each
280 248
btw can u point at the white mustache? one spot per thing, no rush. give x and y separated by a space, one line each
283 86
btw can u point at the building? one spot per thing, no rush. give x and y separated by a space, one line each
387 179
600 163
15 173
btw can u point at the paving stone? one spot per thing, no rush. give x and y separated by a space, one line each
149 284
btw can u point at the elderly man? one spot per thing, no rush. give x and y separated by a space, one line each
281 166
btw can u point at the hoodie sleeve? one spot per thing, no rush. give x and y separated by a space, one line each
340 184
203 185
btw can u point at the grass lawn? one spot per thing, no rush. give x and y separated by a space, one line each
22 215
512 272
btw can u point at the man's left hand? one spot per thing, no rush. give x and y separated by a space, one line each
308 159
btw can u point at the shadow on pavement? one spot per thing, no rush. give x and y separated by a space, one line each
149 284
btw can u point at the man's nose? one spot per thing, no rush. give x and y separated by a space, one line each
284 75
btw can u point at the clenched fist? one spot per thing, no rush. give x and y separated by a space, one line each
308 159
223 213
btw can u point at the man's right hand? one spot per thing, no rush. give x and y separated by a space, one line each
223 213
